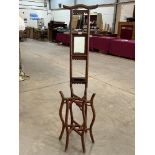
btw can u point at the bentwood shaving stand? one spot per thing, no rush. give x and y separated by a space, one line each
79 48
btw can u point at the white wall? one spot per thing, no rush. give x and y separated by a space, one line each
40 13
61 15
32 7
107 14
64 15
126 11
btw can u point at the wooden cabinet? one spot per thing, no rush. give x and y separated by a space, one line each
52 29
126 30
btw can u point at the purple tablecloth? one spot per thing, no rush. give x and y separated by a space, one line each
108 45
64 38
59 37
91 45
123 48
100 43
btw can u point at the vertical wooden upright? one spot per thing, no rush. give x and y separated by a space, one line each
83 10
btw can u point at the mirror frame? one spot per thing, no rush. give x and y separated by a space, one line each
85 45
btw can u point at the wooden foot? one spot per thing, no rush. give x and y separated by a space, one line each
83 143
61 117
62 131
67 139
66 124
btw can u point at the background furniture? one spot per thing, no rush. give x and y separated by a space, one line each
27 29
126 30
105 44
40 34
101 43
52 29
123 48
40 23
31 32
63 38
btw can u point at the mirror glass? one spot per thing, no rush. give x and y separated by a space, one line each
79 44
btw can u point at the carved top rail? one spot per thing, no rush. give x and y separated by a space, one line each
80 6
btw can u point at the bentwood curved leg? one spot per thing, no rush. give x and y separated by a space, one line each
86 117
63 123
93 119
71 114
83 142
83 127
66 124
61 117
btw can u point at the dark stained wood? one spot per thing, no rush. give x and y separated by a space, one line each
127 25
82 102
78 12
80 6
51 29
79 57
78 80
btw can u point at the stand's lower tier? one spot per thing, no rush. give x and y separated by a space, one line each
81 129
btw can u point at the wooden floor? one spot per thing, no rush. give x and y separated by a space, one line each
110 77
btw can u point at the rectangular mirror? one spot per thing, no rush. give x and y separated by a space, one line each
79 44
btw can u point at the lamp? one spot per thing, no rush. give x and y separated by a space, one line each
22 75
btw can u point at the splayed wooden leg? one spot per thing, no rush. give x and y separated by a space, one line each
83 126
61 117
66 124
93 119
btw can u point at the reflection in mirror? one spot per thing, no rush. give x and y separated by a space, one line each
77 22
74 21
79 44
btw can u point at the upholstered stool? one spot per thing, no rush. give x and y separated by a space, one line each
81 129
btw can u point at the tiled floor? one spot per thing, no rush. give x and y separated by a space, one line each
111 78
